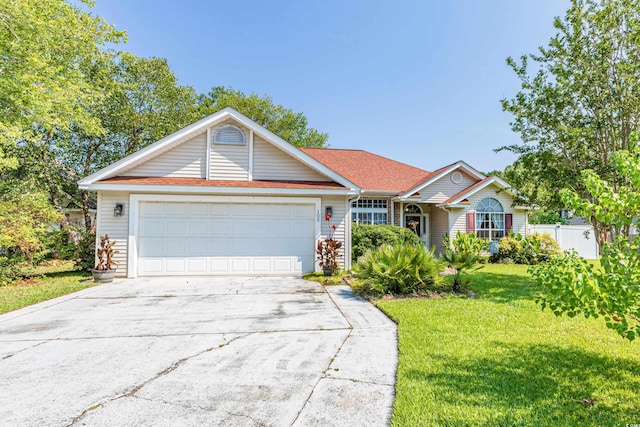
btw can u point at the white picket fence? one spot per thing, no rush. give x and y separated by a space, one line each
578 237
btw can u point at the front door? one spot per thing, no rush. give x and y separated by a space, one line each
417 222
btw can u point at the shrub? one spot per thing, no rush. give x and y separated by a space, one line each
85 250
399 269
531 250
547 217
367 236
468 243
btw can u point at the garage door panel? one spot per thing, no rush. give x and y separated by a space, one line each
198 227
262 210
218 247
151 265
151 247
218 209
239 209
197 265
282 211
198 209
175 247
176 226
151 209
197 247
240 265
175 208
220 239
151 226
219 265
219 227
175 265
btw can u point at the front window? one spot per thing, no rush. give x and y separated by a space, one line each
490 219
369 211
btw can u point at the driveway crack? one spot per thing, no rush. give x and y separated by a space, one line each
131 393
24 349
324 374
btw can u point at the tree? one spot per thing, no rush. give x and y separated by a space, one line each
143 103
44 45
571 284
583 101
25 220
291 126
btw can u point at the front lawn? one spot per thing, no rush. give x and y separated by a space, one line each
48 282
497 360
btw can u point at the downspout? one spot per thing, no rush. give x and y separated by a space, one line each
347 254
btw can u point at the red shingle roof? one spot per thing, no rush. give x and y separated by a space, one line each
367 170
201 182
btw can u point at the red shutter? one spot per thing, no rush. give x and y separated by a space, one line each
471 222
508 223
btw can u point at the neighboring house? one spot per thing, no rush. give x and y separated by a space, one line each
226 196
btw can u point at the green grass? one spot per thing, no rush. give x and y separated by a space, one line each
48 281
498 360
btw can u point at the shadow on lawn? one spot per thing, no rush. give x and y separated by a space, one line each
540 382
503 287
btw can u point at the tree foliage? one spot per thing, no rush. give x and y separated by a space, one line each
581 102
571 284
44 46
291 126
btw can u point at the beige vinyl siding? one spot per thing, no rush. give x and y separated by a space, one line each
459 218
229 162
442 189
116 227
339 218
188 160
271 163
439 228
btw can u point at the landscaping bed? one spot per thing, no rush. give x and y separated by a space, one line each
497 359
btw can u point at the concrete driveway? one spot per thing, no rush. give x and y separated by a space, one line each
199 351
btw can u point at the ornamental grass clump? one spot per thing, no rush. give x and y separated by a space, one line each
399 269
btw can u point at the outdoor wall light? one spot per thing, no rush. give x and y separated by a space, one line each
119 209
329 211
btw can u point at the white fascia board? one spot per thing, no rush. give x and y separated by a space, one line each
143 188
293 151
121 164
453 205
493 180
205 123
458 165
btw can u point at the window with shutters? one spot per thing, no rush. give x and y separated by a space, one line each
229 135
369 211
490 222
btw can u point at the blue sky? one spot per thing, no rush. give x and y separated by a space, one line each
417 81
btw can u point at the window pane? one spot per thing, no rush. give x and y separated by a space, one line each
379 218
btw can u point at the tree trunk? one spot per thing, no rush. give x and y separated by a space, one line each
85 210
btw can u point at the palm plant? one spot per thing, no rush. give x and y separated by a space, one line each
461 262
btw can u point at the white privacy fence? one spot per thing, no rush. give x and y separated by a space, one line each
578 237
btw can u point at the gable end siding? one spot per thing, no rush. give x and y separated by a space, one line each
444 188
229 162
188 160
269 162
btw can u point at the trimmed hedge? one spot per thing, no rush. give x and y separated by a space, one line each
368 236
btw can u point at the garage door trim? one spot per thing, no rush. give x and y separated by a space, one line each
135 199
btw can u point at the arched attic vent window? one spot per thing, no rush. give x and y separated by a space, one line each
229 135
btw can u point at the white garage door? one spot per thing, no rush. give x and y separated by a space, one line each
177 238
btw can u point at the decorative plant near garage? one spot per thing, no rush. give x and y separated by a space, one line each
104 270
328 252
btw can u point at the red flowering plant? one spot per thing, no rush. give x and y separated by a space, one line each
328 251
